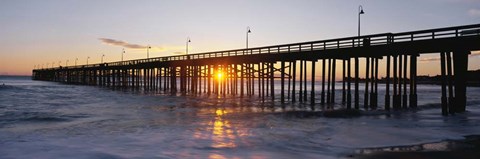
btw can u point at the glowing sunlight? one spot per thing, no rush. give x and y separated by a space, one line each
220 76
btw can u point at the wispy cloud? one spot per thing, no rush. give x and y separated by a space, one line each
474 12
473 54
178 53
123 43
138 47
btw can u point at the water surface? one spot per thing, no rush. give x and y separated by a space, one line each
51 120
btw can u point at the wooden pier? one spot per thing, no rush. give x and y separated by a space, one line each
257 71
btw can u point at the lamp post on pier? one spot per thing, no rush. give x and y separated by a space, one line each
123 52
103 55
88 57
76 59
248 32
188 41
148 48
360 12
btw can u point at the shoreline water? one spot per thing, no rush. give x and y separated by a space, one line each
51 120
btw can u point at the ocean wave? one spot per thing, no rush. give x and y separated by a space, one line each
10 87
46 119
15 117
339 113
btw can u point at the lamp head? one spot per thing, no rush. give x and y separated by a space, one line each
361 10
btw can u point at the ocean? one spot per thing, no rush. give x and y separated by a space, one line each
52 120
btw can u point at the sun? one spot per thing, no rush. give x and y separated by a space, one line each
220 75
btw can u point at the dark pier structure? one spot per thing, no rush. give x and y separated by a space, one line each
292 67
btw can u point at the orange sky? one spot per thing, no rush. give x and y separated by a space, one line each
41 32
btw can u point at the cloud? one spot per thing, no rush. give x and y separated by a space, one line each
473 54
179 53
474 12
121 43
138 48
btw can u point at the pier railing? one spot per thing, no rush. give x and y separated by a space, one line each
467 30
350 42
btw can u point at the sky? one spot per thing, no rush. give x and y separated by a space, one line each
34 32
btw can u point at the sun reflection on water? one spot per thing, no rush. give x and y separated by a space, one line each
220 112
221 126
223 131
223 136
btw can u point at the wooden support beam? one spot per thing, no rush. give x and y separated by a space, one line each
323 82
367 71
242 75
349 84
334 70
357 106
413 81
259 80
312 90
444 88
343 81
294 80
305 82
395 79
460 70
328 80
272 86
263 81
451 100
404 101
282 82
300 93
375 95
289 79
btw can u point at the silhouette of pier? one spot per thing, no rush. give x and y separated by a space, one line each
255 71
